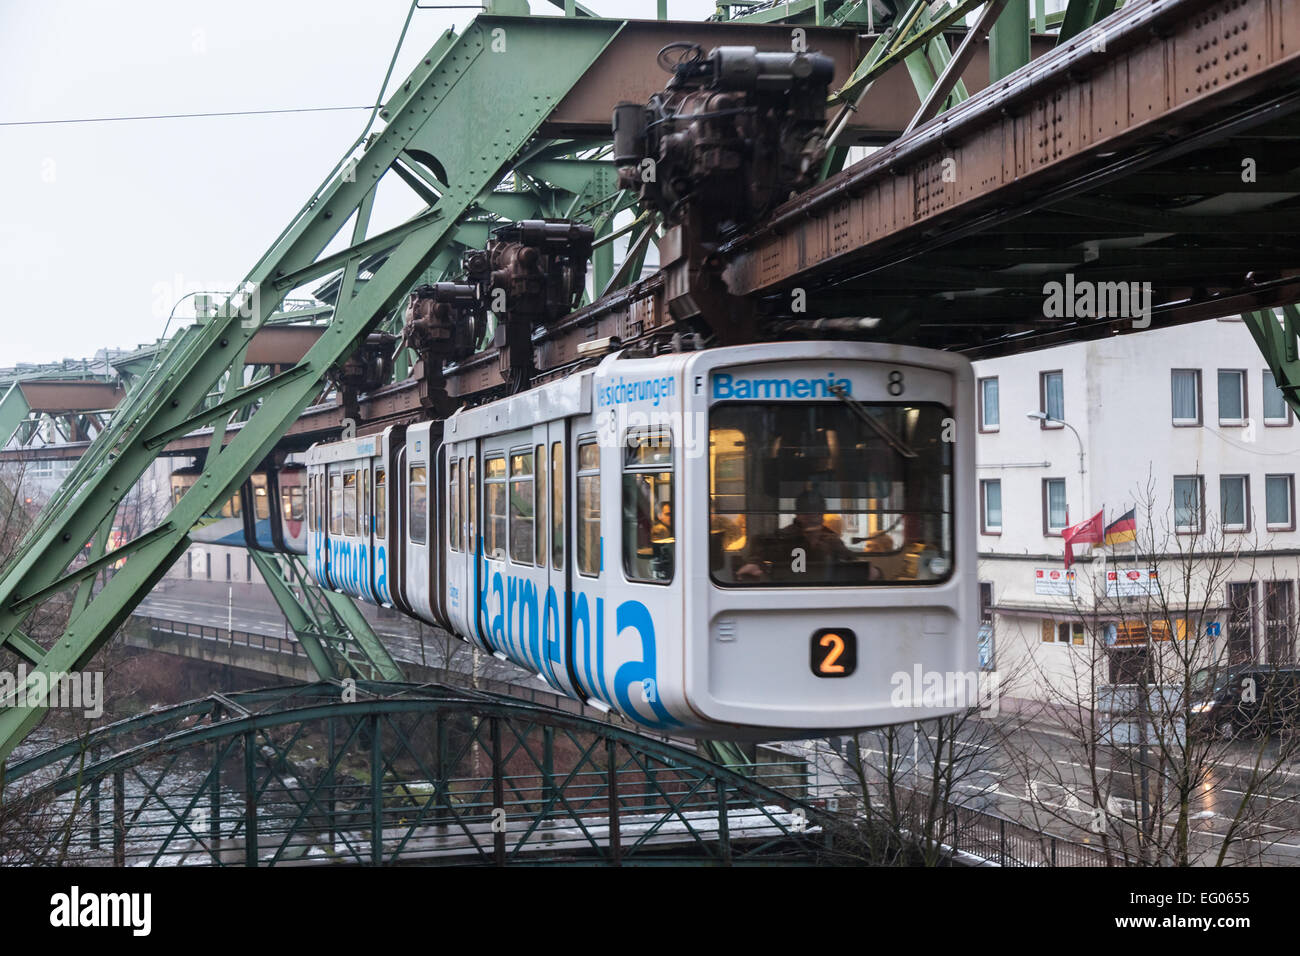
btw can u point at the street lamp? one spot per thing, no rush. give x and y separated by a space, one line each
1044 417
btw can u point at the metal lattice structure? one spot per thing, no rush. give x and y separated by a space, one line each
383 773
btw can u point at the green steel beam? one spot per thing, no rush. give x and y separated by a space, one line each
13 409
1278 343
473 103
948 89
1009 41
1080 15
337 638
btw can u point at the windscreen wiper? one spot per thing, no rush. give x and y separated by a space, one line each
889 438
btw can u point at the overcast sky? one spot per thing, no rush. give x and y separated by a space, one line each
103 226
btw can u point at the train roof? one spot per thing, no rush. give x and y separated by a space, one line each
367 446
563 398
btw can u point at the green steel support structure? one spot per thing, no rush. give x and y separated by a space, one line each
474 103
1278 338
336 637
13 409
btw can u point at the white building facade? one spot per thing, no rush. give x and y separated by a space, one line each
1184 427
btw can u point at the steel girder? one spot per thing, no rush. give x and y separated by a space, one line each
13 409
336 637
1278 338
471 106
404 772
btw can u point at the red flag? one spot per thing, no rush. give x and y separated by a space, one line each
1085 532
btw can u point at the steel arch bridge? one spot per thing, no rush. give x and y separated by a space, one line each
379 773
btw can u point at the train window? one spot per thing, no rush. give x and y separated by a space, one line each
557 506
418 512
350 504
336 503
823 494
471 503
232 508
311 502
381 504
588 531
453 505
494 508
648 540
522 507
261 502
539 461
291 502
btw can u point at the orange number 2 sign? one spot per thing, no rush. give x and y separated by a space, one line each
836 645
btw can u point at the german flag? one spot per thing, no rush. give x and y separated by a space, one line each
1123 528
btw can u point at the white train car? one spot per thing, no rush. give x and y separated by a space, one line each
753 541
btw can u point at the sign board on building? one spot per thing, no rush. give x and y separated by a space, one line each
1054 581
1131 582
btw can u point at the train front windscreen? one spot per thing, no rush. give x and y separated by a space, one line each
824 494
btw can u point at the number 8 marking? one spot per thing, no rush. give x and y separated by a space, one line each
828 665
896 382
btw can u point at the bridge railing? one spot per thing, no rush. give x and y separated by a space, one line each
220 635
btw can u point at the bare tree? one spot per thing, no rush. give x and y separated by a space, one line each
1140 760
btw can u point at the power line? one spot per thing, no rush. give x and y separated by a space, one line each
163 116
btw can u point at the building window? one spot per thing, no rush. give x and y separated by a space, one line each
588 525
1055 516
1234 502
1241 623
1051 396
989 415
1062 632
1279 613
1232 397
1279 502
1276 409
987 651
1185 385
991 506
1189 504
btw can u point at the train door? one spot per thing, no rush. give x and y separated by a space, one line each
379 529
420 488
365 529
398 503
584 561
552 447
458 596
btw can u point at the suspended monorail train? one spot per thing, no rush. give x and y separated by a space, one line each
744 542
268 513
